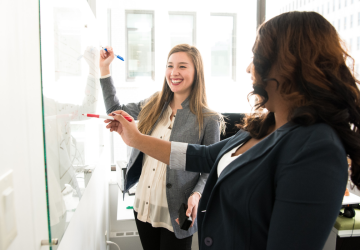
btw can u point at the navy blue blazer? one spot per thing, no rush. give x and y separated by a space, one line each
283 193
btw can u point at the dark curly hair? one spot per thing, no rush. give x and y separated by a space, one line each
307 52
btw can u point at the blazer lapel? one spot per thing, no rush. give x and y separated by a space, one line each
256 151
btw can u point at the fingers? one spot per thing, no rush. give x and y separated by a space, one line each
120 112
121 115
105 54
102 54
189 210
113 125
193 203
193 215
177 221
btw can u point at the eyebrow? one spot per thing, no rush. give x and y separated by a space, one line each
180 62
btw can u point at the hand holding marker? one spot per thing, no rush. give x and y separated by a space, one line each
121 58
106 117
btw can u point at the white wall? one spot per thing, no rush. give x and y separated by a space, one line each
21 137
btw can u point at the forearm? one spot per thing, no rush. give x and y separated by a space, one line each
154 147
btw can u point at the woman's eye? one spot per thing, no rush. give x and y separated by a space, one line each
183 67
169 66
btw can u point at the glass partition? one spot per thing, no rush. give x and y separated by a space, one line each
70 86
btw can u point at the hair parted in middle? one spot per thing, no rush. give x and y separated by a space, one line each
151 111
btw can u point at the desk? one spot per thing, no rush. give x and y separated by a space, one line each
351 199
122 212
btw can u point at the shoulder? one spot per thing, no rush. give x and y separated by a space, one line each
319 132
314 140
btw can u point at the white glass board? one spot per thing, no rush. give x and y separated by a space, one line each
71 87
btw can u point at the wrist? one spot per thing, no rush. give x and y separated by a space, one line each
196 194
105 71
138 141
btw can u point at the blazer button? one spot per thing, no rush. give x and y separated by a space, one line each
168 185
208 241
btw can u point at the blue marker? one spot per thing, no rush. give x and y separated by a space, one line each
122 59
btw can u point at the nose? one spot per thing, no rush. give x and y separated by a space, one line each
248 69
174 72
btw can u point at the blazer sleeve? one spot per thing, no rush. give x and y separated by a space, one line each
211 136
308 196
193 157
112 102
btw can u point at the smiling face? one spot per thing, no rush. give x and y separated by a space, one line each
180 73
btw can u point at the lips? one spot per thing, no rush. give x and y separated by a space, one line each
176 81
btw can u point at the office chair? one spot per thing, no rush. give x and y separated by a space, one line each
231 120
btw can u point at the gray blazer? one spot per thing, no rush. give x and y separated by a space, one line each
180 184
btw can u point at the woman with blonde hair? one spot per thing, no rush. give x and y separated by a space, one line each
179 112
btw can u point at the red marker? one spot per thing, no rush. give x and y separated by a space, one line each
106 117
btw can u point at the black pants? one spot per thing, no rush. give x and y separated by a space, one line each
158 238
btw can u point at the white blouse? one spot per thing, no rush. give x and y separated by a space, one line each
150 198
227 159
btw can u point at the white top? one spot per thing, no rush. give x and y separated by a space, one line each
150 198
227 159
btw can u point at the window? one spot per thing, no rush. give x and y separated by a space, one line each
339 25
328 8
359 18
322 10
334 6
344 23
317 9
358 43
182 28
345 3
223 45
350 44
139 34
351 21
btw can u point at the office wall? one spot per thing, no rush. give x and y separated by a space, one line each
21 148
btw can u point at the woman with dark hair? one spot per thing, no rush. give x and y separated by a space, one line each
279 182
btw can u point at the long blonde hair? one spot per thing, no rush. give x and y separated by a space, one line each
151 110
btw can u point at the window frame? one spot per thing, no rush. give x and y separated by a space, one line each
133 79
233 49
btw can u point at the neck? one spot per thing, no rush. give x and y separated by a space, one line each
281 118
177 100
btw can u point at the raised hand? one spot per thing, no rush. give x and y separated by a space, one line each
105 60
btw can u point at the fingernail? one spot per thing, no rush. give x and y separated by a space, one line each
113 114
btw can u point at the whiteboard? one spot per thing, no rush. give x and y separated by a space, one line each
70 86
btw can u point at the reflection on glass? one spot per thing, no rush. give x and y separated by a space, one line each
139 44
70 87
221 45
181 29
